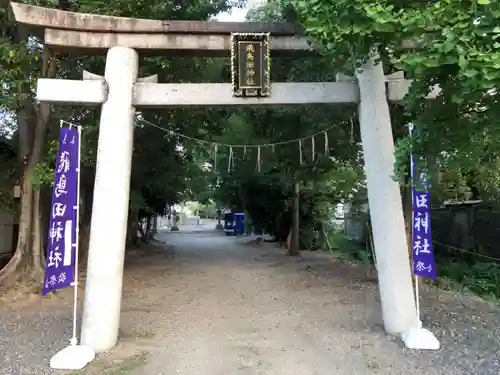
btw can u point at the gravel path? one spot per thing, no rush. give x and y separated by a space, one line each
209 304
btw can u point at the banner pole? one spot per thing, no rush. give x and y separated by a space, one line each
412 186
417 300
74 340
417 294
74 356
416 337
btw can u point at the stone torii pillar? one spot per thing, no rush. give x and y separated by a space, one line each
108 230
384 199
115 92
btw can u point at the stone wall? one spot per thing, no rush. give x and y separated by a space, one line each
7 229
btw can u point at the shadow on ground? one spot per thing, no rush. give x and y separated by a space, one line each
203 303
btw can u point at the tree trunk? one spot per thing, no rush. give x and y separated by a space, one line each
141 230
132 238
86 196
37 233
154 229
83 244
27 261
132 228
294 240
9 275
135 236
128 240
148 234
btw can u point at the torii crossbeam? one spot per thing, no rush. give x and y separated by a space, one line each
120 91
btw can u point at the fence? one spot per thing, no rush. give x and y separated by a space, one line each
472 228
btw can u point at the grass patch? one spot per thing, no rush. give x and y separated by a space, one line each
349 249
125 367
480 278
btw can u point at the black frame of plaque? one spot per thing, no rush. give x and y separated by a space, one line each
264 87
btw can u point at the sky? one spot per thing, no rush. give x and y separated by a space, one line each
238 15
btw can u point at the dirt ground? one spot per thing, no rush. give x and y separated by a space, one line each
208 304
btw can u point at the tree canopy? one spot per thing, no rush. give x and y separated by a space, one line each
160 165
452 44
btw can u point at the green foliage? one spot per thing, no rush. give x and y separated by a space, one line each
455 45
8 159
43 173
208 210
137 202
161 164
324 180
479 277
265 191
163 10
348 249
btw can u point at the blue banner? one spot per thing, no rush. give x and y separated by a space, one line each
424 264
62 241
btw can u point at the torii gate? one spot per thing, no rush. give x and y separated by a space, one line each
120 91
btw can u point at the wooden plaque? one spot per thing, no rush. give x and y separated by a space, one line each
250 64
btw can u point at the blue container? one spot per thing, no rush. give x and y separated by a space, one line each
229 224
239 223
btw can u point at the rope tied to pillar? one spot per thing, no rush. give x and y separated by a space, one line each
229 165
215 156
352 130
232 146
312 148
258 159
301 160
326 143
